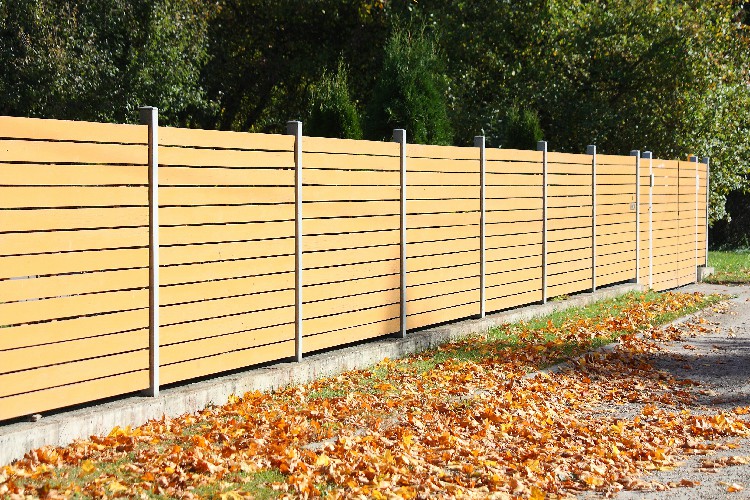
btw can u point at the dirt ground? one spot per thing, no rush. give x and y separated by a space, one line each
718 360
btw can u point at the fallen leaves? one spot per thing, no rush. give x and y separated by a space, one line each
464 420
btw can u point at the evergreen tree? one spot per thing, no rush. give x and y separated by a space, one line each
522 129
410 92
332 111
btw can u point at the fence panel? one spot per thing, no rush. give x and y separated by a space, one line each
666 223
513 228
702 212
226 251
644 178
569 221
351 243
687 256
73 263
442 251
616 219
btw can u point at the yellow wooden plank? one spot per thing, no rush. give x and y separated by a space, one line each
340 305
441 165
513 179
70 329
506 226
171 216
353 334
581 159
350 147
498 266
524 276
71 306
441 206
67 352
207 271
215 139
205 195
603 219
353 225
71 373
66 130
513 155
568 255
55 197
72 262
568 271
568 212
519 217
429 290
232 360
441 261
220 176
562 246
442 152
208 290
335 162
67 395
568 288
349 209
71 175
442 193
580 223
225 306
418 235
348 288
443 302
556 235
72 284
215 233
510 241
514 192
209 252
315 326
516 300
350 272
440 247
437 220
350 240
569 201
350 256
420 320
626 161
493 167
426 276
443 179
56 241
195 157
329 177
72 152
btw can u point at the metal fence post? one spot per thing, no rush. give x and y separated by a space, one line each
479 142
399 136
542 146
695 231
295 128
637 155
150 116
649 156
591 150
707 161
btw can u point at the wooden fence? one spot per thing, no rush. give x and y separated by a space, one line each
270 246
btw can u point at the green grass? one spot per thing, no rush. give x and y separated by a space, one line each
730 267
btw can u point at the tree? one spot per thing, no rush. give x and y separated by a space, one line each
101 59
332 111
521 129
410 92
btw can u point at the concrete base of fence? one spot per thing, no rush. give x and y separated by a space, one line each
704 272
64 427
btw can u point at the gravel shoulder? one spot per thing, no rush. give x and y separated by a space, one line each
717 360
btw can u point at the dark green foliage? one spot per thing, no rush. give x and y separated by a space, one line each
410 92
101 59
521 129
332 111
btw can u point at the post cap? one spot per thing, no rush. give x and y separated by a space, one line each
647 154
635 152
591 149
147 114
294 127
541 146
399 135
705 160
479 141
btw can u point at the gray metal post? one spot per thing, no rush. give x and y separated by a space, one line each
649 156
479 142
637 155
695 230
542 146
295 128
707 161
150 116
591 150
399 136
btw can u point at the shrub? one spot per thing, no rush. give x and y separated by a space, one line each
521 129
332 111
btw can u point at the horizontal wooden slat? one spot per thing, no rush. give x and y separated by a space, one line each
437 220
191 196
329 177
581 223
420 320
70 373
440 247
72 284
207 290
72 262
350 147
350 162
209 252
170 136
440 261
350 240
55 197
513 155
509 301
70 306
505 167
195 157
59 397
519 217
444 301
71 175
426 291
514 276
72 152
494 227
568 255
226 361
557 272
172 216
513 192
173 275
350 256
226 306
351 272
423 277
216 233
441 206
71 351
515 240
66 130
353 225
348 335
340 305
499 266
220 176
314 293
512 179
56 241
442 193
325 324
627 161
